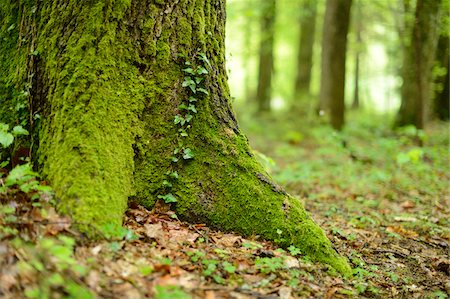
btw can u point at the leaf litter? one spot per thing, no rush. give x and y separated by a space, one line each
396 239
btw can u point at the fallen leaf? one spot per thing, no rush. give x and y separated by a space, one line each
285 293
408 204
401 231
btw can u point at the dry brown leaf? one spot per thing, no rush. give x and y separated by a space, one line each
408 204
210 295
154 231
7 282
229 240
291 262
401 231
285 293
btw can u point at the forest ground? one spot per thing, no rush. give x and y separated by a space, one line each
381 199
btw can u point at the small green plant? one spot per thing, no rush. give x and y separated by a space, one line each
170 292
269 265
51 261
251 245
194 78
294 250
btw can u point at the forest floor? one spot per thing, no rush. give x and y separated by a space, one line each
380 198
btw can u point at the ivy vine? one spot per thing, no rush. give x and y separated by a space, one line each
195 73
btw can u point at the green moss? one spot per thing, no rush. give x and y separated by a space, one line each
95 96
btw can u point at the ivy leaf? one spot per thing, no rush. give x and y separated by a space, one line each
192 99
173 175
168 198
198 80
187 82
188 154
19 130
188 117
202 71
192 108
193 89
167 184
202 57
179 120
203 90
188 70
183 133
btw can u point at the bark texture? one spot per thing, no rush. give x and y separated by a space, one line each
418 58
334 47
113 76
265 71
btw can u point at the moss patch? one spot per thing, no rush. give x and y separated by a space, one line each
94 98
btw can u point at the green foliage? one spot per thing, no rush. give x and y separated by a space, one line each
170 292
194 76
269 265
52 261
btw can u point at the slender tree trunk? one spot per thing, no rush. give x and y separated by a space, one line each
441 97
358 28
248 54
305 48
266 63
355 104
418 61
136 104
334 46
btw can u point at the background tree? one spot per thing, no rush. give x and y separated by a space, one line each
135 103
441 97
305 47
418 61
266 57
334 46
357 17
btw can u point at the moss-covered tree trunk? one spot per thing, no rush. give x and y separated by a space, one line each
417 64
334 47
122 118
266 59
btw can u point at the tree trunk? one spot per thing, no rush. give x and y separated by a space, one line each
334 46
358 29
441 97
418 61
305 52
122 118
265 72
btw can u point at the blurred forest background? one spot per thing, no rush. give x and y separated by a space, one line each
310 56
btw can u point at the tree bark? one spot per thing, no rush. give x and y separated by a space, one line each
418 61
265 71
334 46
305 48
116 76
